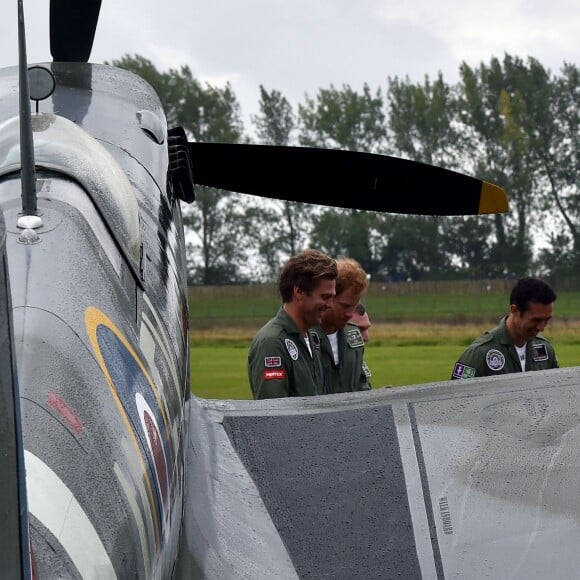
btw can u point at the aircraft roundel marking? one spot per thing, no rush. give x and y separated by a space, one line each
151 430
139 405
66 519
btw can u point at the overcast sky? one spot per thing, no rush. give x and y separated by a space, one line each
300 46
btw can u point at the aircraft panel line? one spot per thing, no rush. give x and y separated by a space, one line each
415 493
426 492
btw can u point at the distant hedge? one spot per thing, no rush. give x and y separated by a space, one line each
454 302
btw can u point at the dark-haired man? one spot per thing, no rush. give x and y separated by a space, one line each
284 357
515 345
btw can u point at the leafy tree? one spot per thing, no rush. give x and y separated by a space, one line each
345 119
276 122
421 121
468 244
217 250
501 107
283 226
343 232
423 128
216 218
558 153
558 258
412 249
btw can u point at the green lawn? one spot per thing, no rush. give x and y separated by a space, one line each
219 372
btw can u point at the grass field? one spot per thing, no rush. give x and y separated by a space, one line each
398 354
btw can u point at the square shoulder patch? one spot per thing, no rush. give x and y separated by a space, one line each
272 361
462 371
540 352
354 338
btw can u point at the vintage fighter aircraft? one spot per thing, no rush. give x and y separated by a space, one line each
110 468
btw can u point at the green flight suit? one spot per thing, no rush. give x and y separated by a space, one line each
280 364
495 354
351 373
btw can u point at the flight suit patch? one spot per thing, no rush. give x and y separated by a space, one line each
273 374
365 369
354 338
495 359
272 361
291 348
315 339
461 371
540 352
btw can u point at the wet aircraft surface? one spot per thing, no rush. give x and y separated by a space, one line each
111 468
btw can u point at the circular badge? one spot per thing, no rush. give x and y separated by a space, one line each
495 359
292 349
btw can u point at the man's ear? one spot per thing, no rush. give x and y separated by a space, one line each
514 310
298 292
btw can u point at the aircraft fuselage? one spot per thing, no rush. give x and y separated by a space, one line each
100 325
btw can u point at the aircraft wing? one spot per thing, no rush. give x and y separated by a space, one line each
473 479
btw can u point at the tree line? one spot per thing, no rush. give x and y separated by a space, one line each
511 122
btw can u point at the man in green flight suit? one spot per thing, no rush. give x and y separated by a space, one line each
515 345
342 343
284 357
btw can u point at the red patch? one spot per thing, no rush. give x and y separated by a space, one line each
277 374
65 411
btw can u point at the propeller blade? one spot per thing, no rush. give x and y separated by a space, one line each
341 178
72 29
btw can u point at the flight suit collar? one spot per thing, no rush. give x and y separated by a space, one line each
287 323
502 333
290 327
324 340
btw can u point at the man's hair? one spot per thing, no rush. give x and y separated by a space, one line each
360 309
529 290
350 275
305 270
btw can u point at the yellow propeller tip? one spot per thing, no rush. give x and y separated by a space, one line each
493 199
